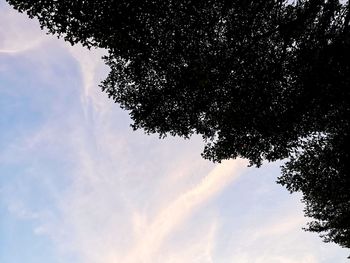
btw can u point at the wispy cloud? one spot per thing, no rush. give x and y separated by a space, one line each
89 67
150 239
97 211
13 40
109 230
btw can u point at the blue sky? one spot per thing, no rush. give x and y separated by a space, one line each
78 185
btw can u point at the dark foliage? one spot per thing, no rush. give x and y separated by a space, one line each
262 80
318 172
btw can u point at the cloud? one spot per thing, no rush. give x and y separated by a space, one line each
105 215
150 239
14 40
104 211
89 66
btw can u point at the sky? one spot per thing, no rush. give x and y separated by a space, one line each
77 185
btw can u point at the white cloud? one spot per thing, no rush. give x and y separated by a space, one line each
151 238
89 66
14 40
102 219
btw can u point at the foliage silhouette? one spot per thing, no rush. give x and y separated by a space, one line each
262 80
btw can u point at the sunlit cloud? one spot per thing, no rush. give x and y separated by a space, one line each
91 95
166 221
15 41
108 230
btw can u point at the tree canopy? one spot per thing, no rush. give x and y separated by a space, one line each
262 80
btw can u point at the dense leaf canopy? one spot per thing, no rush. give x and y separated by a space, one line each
262 80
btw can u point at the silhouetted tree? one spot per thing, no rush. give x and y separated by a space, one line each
320 172
262 80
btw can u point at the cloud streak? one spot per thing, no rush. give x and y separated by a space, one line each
14 40
150 240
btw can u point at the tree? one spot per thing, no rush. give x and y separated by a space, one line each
262 80
318 172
